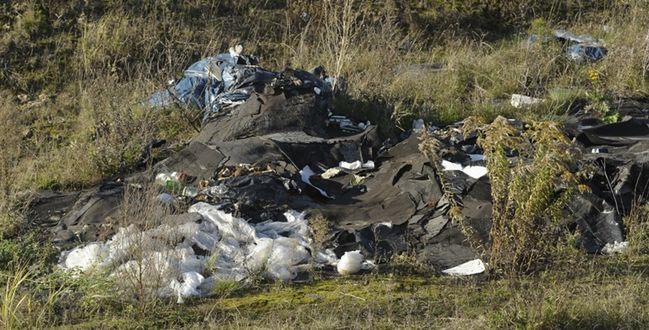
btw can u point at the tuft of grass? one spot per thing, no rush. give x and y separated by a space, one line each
13 300
636 225
321 229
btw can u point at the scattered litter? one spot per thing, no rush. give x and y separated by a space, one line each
330 173
350 263
405 195
522 101
346 124
306 173
166 199
450 166
615 247
599 151
229 79
418 124
237 249
468 268
581 48
189 286
477 157
475 172
85 257
357 165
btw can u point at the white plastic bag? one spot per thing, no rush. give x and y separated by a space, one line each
350 263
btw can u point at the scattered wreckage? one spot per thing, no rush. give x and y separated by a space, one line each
245 190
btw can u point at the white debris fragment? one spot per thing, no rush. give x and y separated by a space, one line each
350 263
330 173
475 172
235 51
522 101
368 265
450 166
357 165
477 157
306 173
468 268
615 247
369 165
418 125
85 257
189 286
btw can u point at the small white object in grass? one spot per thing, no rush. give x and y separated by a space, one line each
520 101
236 50
468 268
188 288
418 124
350 263
615 247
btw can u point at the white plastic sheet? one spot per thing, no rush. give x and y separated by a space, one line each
357 165
468 268
235 250
475 172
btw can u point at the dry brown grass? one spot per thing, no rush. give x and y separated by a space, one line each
527 196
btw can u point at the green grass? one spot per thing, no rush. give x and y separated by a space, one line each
598 293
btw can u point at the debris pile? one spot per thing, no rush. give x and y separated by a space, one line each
265 164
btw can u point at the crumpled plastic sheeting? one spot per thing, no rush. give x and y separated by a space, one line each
581 48
231 249
229 79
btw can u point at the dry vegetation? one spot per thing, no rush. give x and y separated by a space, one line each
74 75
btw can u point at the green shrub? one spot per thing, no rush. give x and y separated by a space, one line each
528 197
